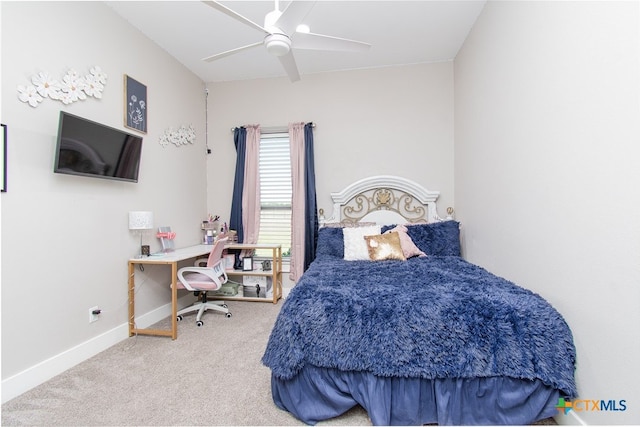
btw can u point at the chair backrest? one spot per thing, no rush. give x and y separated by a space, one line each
216 252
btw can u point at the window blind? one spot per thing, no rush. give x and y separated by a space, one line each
275 191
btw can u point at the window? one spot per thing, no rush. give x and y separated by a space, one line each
275 192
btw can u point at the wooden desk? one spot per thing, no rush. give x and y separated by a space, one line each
172 259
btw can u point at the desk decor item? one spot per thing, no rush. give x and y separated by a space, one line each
139 222
229 260
135 105
247 263
210 228
166 237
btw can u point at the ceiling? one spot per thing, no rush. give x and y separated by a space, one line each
400 33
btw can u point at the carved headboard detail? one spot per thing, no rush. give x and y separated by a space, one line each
384 199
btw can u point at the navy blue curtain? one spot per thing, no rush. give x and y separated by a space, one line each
235 219
310 204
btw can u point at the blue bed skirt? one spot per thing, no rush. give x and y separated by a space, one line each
316 394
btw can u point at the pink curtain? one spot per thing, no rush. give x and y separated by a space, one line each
296 139
251 188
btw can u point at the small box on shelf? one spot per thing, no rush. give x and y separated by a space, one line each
257 286
228 290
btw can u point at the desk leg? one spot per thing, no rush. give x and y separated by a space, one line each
174 300
132 303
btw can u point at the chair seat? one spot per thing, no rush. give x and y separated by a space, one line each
199 281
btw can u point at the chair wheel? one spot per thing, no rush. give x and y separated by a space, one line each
199 323
225 306
228 314
179 317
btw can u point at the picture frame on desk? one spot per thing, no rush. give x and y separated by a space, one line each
229 261
166 237
247 263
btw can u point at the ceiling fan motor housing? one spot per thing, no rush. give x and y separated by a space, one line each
277 44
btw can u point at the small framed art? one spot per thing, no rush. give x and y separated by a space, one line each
135 105
247 263
229 260
3 160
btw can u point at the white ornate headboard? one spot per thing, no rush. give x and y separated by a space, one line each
384 199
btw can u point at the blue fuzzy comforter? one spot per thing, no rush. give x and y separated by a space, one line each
433 317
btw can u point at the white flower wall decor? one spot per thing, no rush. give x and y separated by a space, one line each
182 136
73 87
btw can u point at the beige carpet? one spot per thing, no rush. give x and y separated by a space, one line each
210 375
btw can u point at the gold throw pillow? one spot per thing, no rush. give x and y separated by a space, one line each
384 246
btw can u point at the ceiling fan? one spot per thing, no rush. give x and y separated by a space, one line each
284 33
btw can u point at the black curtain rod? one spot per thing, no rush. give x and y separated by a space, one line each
313 125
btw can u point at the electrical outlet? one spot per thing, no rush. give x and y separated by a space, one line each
93 317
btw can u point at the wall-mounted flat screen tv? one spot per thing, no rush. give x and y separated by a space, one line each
88 148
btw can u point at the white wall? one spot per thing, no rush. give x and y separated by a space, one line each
547 108
65 239
396 121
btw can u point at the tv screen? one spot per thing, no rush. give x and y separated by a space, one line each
87 148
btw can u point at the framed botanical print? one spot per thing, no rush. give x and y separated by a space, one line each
135 104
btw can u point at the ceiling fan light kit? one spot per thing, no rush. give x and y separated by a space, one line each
279 26
303 28
277 44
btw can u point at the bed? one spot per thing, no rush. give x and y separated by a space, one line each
415 336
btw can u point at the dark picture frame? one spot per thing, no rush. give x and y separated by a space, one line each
135 104
3 161
247 263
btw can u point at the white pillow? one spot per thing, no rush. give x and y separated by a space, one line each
355 247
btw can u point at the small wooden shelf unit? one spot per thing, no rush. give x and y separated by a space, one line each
275 273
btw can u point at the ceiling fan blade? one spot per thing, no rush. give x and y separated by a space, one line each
289 64
322 42
230 52
293 15
224 9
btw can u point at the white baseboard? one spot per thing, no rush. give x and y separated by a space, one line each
34 376
570 419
